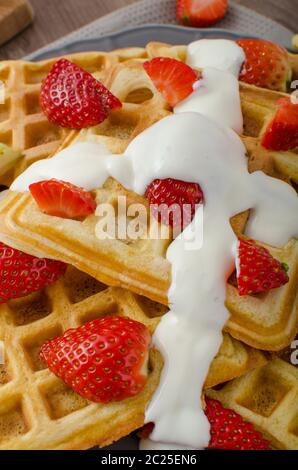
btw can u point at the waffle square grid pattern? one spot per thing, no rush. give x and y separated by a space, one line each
39 411
268 323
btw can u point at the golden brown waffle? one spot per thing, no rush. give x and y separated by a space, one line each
22 124
267 322
37 411
267 398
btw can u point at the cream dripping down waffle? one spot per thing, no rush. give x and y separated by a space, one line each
199 143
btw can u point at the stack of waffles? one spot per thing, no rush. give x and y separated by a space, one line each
251 373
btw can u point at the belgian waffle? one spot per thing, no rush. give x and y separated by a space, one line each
37 411
268 322
22 124
267 397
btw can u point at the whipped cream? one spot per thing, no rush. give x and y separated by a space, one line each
194 147
221 54
216 96
77 164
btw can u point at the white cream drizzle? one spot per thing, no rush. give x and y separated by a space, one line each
221 54
192 147
216 96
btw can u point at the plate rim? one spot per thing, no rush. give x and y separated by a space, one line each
42 54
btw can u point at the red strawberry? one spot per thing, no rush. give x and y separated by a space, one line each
258 271
145 431
266 65
230 432
103 360
63 199
22 274
172 78
162 194
201 13
71 97
282 132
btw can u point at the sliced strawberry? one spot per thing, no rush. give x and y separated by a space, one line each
267 64
103 360
172 78
282 132
230 432
22 274
62 199
71 97
257 270
173 202
201 13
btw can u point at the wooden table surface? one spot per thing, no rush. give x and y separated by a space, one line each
56 18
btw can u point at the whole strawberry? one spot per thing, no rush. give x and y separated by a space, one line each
103 360
71 97
266 65
22 274
229 431
173 202
282 132
257 270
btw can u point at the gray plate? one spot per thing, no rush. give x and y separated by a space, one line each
138 36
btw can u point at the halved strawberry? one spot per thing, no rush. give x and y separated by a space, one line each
257 270
71 97
201 13
228 430
62 199
103 360
22 274
172 78
282 132
173 202
267 64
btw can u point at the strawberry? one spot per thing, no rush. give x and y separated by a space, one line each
282 132
172 78
22 274
257 270
201 13
63 199
266 65
162 194
103 360
230 432
71 97
145 431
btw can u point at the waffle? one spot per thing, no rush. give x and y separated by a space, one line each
22 124
268 398
37 411
266 322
